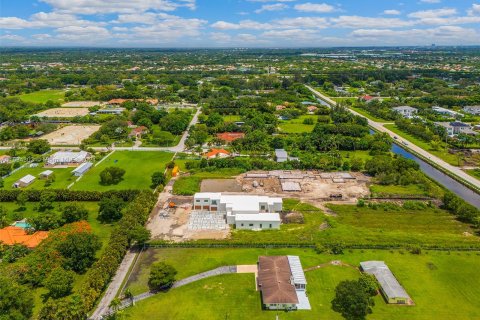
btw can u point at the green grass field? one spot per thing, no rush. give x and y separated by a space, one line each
443 285
354 225
296 125
412 189
191 184
63 177
139 166
43 96
441 153
474 173
365 113
231 118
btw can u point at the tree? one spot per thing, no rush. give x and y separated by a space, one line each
369 284
16 301
68 308
5 168
59 283
79 249
158 178
22 199
3 217
74 212
110 209
46 221
46 200
39 146
162 276
352 301
111 175
139 235
15 252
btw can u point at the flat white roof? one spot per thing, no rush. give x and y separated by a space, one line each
46 173
297 270
68 156
238 202
27 179
388 282
259 217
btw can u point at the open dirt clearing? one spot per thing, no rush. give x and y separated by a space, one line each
70 135
63 112
81 104
220 185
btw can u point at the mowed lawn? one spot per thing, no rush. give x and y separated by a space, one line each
138 166
297 125
443 285
63 177
43 96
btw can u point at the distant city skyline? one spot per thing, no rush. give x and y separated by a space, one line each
238 23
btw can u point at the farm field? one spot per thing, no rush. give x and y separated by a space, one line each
63 177
138 166
439 291
353 225
43 96
297 125
442 154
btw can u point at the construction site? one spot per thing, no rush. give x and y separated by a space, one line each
175 219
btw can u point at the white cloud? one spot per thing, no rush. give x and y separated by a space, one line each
392 12
12 37
436 13
369 22
45 20
314 7
117 6
474 10
75 34
272 7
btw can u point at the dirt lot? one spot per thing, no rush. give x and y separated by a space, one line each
172 223
316 187
220 185
63 112
81 104
70 135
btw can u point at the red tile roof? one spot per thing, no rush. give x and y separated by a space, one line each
230 136
13 235
215 152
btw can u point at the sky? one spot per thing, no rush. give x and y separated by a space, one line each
238 23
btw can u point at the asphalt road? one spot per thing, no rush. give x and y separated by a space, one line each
408 145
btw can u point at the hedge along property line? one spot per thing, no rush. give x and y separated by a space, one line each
68 195
213 244
98 276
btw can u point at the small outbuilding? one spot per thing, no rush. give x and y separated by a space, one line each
81 169
24 182
46 174
391 289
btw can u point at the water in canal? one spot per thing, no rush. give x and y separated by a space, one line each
456 187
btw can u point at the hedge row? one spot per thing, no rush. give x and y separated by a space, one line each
226 244
98 276
68 195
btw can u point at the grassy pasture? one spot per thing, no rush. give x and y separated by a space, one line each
296 125
43 96
443 285
139 166
63 177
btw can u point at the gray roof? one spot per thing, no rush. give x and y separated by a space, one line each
81 169
404 108
390 285
281 153
296 270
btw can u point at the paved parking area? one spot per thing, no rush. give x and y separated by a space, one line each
204 220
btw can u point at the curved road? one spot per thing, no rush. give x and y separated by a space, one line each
407 144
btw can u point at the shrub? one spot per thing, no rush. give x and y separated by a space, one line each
161 276
111 175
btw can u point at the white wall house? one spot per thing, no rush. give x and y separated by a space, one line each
472 109
244 211
406 111
456 127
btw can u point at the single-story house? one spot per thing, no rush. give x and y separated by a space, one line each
280 107
230 136
244 211
68 158
24 182
116 111
217 153
5 158
282 283
138 132
81 169
15 235
472 110
312 109
405 111
46 174
366 98
391 289
117 101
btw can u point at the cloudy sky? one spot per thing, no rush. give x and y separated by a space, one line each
238 23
